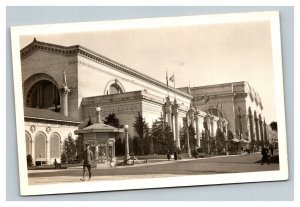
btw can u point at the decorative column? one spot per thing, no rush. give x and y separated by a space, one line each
188 135
240 123
212 125
197 129
48 160
261 128
250 116
225 131
64 91
220 124
201 124
32 150
176 128
127 156
96 152
265 130
256 127
207 124
168 112
114 150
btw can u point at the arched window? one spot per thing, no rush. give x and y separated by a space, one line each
55 146
215 112
114 89
40 146
28 143
43 95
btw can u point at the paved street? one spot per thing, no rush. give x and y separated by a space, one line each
225 164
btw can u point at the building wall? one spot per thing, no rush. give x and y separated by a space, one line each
53 65
127 106
87 78
34 127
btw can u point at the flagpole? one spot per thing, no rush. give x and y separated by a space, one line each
174 83
167 78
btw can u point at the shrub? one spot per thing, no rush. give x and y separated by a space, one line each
63 158
29 160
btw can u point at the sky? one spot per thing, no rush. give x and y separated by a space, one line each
197 54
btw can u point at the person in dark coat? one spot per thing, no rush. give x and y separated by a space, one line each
168 155
87 162
175 156
265 155
55 163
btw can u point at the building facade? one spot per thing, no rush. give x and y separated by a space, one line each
73 81
236 102
45 132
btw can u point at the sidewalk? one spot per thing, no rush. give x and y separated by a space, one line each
149 163
162 168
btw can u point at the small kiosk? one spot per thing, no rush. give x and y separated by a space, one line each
102 138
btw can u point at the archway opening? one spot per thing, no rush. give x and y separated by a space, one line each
43 95
40 147
28 143
55 146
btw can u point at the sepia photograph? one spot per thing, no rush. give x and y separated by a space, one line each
149 103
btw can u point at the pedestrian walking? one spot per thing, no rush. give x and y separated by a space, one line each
55 163
87 162
175 156
265 155
168 155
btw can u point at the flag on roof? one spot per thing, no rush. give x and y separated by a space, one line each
172 78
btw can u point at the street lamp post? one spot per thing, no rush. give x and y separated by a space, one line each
98 109
127 156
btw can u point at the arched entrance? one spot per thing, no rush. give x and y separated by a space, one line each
28 143
43 95
55 146
40 147
41 91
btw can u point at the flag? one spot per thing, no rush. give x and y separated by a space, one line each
167 78
172 78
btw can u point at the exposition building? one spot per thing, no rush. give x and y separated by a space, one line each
63 87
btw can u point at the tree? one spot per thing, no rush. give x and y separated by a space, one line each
63 158
141 141
112 120
273 126
231 144
162 137
79 148
70 148
220 141
29 160
183 137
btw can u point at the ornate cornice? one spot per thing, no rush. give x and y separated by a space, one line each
87 53
53 121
